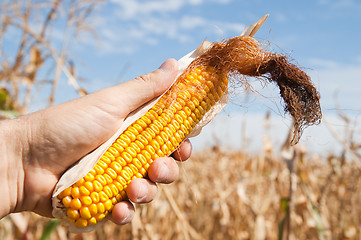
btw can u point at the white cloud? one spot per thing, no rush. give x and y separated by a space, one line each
341 3
131 24
130 9
137 8
191 22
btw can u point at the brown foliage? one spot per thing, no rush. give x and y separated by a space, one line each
233 195
36 50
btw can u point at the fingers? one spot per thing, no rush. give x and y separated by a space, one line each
183 152
136 92
163 170
123 213
141 190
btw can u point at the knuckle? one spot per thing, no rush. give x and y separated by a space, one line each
144 78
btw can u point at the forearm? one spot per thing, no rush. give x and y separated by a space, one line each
11 168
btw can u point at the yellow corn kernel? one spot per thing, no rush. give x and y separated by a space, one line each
128 170
118 147
89 186
66 201
121 161
109 155
131 151
75 204
125 175
118 185
133 169
82 223
137 163
102 164
103 197
142 139
127 157
106 159
99 169
130 135
80 182
121 180
135 147
93 209
83 190
123 194
64 193
157 133
119 197
150 149
75 193
99 216
85 213
108 205
146 166
100 207
108 178
73 214
116 167
89 177
121 143
86 200
125 138
139 144
146 155
147 136
108 191
92 221
133 130
101 179
95 197
113 151
97 186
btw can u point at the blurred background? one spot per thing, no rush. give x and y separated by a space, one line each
53 51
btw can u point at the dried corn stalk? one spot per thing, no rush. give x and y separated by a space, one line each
86 193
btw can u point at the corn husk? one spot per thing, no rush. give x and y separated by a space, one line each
84 165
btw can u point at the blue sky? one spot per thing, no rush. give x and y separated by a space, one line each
135 36
322 36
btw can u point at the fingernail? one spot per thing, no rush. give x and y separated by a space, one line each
167 66
126 219
142 192
163 172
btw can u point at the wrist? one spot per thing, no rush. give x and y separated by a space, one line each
11 166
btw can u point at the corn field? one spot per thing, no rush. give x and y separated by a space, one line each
234 195
220 194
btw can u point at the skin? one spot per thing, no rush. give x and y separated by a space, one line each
38 148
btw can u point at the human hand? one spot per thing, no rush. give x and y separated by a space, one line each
38 148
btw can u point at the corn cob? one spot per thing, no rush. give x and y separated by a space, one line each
156 134
179 111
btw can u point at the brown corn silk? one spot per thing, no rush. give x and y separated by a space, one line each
243 56
159 132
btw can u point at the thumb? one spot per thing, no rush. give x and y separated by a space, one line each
136 92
